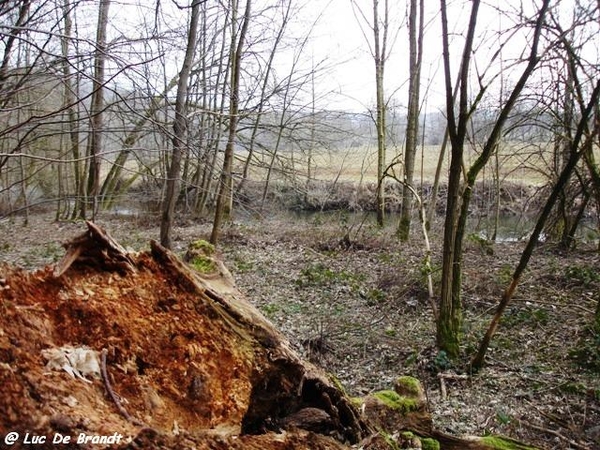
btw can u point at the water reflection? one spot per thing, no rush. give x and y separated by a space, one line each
510 227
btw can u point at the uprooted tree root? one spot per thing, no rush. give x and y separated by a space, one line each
186 360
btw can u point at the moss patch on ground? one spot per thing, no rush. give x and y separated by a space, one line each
502 443
395 401
408 386
429 444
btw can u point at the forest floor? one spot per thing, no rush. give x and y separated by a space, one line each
358 307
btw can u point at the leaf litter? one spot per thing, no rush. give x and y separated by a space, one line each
361 313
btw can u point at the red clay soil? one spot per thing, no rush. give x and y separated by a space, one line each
192 364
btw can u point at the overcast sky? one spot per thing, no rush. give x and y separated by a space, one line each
339 36
340 42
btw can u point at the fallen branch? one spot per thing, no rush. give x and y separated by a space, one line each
554 433
448 376
112 394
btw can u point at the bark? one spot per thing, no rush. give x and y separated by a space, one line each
179 132
96 111
224 197
412 125
97 249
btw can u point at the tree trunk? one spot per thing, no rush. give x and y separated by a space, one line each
96 111
412 125
450 309
69 103
224 197
457 211
380 42
179 131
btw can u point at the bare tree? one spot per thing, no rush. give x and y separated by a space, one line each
224 197
179 130
459 196
289 118
286 10
379 52
579 147
415 32
213 92
578 136
379 55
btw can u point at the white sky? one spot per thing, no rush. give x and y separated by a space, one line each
338 40
339 37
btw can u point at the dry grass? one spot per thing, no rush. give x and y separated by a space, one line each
518 162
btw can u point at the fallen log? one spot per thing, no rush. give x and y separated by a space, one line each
187 362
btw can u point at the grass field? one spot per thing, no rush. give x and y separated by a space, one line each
518 162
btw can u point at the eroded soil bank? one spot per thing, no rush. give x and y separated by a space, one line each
358 309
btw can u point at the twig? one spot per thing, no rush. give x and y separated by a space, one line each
112 394
443 391
443 376
554 433
555 304
452 376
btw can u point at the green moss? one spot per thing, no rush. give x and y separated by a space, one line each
409 386
395 401
357 401
337 383
429 444
203 264
389 440
503 443
204 246
270 309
